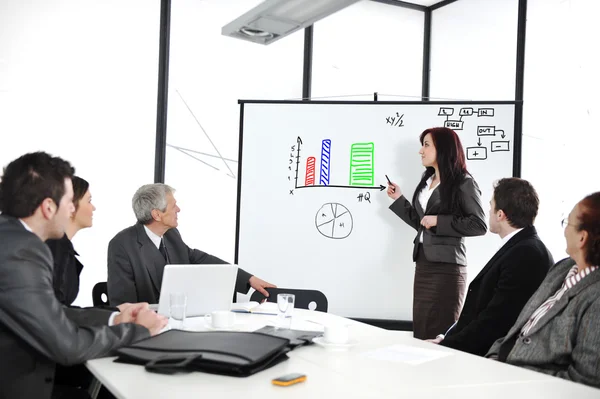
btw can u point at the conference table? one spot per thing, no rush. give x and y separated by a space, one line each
376 363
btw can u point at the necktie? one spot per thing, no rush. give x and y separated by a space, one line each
163 250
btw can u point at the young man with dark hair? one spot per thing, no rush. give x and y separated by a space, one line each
502 288
36 331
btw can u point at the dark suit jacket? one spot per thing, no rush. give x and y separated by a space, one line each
67 269
135 265
498 293
565 341
445 243
65 281
35 331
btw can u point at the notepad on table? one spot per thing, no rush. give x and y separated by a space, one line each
255 307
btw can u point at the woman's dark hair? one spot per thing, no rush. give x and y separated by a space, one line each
451 163
29 180
589 218
80 187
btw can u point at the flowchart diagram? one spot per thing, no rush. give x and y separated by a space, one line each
480 151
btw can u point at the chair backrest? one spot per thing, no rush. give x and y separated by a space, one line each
303 298
98 291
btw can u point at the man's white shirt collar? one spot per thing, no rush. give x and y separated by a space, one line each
25 225
508 237
153 237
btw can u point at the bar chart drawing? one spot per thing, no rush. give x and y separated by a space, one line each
362 164
325 162
334 221
362 167
309 180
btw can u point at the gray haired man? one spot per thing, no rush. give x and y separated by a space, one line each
137 255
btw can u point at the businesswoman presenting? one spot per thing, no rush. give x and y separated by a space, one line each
445 208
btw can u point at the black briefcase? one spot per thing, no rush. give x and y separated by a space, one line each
237 354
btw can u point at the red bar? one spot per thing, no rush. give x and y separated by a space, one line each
310 172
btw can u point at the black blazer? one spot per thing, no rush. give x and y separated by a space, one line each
445 242
499 292
135 265
65 281
67 269
36 331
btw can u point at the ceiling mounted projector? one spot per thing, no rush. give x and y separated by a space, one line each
273 19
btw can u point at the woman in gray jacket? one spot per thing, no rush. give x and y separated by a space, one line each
558 331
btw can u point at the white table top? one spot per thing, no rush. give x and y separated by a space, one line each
344 372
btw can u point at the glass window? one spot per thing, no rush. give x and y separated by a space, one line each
368 47
209 72
473 50
78 80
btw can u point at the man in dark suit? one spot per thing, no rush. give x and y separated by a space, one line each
137 255
36 331
498 293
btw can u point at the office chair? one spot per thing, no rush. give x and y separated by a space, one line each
100 290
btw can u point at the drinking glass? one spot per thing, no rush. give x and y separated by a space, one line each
177 308
285 308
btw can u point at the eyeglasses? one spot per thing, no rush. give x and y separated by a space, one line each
565 222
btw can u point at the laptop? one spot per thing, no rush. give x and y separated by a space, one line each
208 287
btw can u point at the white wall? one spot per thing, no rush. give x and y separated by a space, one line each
561 109
78 81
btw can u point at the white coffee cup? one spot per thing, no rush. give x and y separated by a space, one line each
220 319
336 334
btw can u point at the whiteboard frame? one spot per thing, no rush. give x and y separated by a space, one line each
517 144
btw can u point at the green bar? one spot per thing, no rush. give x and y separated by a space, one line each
362 164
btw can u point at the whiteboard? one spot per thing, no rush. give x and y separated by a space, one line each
311 210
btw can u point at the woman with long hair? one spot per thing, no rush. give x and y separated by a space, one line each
558 330
67 268
445 208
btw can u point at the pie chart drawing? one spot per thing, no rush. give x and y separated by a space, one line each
334 221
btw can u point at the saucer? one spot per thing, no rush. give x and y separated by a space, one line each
321 342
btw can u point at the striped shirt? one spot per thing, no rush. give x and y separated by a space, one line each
573 277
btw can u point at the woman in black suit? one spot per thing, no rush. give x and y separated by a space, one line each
72 381
445 208
67 267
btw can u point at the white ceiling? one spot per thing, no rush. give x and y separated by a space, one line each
426 3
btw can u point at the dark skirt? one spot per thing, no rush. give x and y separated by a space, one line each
438 296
